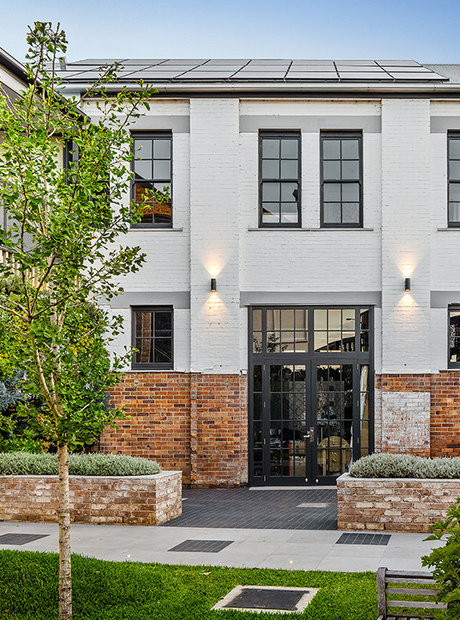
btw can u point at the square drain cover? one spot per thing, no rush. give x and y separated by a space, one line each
20 539
363 539
202 546
267 598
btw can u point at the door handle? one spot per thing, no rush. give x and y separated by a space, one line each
310 434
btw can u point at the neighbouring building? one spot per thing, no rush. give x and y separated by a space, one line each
300 302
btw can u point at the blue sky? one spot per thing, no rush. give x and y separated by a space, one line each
422 30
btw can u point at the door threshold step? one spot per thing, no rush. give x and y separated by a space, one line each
329 487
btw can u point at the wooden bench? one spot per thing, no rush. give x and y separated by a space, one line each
388 583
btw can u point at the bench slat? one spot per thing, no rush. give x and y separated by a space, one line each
418 604
402 573
425 591
409 580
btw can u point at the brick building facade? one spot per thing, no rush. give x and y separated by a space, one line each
300 301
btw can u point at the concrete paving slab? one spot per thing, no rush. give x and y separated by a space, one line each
264 548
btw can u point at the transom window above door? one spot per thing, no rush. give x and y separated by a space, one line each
279 176
341 180
311 330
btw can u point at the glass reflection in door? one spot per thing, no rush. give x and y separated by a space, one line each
334 393
288 420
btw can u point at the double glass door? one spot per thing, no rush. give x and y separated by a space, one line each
310 413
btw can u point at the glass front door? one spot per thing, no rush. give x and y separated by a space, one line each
310 410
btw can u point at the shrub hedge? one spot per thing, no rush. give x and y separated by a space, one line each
405 466
93 464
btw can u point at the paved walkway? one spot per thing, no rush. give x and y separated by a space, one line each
261 548
299 509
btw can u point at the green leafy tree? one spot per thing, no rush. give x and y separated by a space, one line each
446 560
62 240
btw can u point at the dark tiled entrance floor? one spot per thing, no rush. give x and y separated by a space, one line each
243 508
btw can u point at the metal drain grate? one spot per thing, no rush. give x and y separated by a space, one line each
363 539
202 546
20 539
267 598
313 505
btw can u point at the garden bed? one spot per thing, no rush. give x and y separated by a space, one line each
130 500
393 504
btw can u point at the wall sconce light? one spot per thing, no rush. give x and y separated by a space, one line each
407 284
213 284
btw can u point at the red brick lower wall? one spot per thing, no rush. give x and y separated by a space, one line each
189 421
445 414
442 415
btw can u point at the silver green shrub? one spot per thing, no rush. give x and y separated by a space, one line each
94 464
405 466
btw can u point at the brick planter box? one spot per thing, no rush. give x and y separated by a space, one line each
127 500
393 504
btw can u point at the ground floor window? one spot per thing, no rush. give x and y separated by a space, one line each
310 398
152 337
454 337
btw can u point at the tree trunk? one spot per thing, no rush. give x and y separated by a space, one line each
65 576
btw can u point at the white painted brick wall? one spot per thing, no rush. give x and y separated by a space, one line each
406 231
215 325
216 203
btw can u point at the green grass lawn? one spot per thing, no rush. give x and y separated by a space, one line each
135 591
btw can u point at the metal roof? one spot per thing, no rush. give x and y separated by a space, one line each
12 65
238 71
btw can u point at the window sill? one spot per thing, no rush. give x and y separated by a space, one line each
154 228
162 370
449 228
280 228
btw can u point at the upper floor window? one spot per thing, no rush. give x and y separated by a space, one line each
341 180
152 184
152 336
454 337
279 192
453 150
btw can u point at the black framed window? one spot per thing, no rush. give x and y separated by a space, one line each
454 337
453 156
279 179
152 167
341 180
152 336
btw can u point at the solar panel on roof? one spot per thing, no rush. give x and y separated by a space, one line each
312 68
96 62
208 75
408 69
364 68
399 63
228 61
312 62
416 76
164 75
255 69
185 61
356 63
266 75
313 75
364 75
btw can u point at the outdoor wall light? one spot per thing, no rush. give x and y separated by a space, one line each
407 284
213 284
